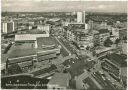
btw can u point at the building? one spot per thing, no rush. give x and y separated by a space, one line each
27 55
76 25
30 27
103 25
122 33
90 25
89 84
102 52
59 81
113 65
72 29
31 35
65 23
80 17
8 27
84 82
31 23
54 21
115 32
124 48
96 40
78 34
103 35
84 40
65 30
45 28
47 48
44 72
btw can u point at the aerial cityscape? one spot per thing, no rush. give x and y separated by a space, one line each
79 49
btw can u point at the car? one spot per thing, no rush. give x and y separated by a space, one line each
68 66
77 58
69 54
109 79
73 62
101 72
88 70
103 78
49 77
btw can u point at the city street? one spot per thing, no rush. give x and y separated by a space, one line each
71 45
63 48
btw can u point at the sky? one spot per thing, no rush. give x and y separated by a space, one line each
63 6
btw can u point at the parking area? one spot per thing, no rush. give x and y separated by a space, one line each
103 81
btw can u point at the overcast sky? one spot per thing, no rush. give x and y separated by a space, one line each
64 6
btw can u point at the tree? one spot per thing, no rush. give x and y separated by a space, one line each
87 48
14 69
124 38
108 42
117 41
94 53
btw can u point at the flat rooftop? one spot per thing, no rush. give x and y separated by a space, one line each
22 50
46 41
30 35
27 49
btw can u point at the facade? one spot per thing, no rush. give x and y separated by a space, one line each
96 39
50 48
103 35
80 17
28 37
31 22
8 27
78 33
64 23
25 63
31 35
29 27
103 25
45 28
70 35
84 41
90 25
122 33
115 32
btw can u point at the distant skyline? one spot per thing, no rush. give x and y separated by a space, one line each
63 6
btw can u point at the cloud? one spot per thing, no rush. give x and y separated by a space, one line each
40 5
101 6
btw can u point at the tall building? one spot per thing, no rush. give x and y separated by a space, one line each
8 27
80 17
45 28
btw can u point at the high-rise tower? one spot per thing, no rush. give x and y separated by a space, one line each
81 17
